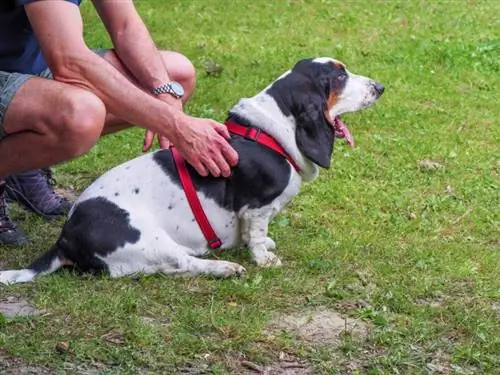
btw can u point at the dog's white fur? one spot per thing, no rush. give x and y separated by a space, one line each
174 246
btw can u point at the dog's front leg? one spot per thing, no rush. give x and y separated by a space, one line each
254 233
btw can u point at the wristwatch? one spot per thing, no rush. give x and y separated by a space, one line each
173 88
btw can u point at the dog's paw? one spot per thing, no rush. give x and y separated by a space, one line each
270 244
228 269
267 259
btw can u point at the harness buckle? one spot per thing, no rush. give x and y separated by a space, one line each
253 134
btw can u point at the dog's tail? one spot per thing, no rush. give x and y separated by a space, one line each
47 263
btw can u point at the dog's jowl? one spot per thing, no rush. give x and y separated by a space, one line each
136 219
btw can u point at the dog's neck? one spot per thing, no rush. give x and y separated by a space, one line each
263 112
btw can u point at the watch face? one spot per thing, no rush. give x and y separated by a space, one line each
177 88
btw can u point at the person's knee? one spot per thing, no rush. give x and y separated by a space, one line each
180 69
81 120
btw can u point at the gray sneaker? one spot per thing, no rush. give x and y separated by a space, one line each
35 191
10 234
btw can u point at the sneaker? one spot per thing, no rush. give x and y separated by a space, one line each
10 234
35 191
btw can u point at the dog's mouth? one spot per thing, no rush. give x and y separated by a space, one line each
341 131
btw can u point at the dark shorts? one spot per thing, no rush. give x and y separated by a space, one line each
10 83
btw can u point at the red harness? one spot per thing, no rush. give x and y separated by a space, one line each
247 132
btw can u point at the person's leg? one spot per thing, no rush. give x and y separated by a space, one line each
179 69
42 122
48 122
35 119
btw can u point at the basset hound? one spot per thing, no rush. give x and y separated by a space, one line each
136 219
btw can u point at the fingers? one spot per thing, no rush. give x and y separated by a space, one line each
212 166
205 145
164 142
220 157
229 154
200 168
222 130
226 153
148 140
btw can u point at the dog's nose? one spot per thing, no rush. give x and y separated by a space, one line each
379 88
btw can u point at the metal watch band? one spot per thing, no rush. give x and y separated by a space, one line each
163 89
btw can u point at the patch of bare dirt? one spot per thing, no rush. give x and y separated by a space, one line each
16 366
429 165
279 364
321 326
441 364
285 365
12 307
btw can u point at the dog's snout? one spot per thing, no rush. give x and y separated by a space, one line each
379 88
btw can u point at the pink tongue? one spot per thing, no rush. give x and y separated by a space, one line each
342 129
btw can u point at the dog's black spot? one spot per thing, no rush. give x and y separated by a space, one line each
136 190
96 227
192 220
169 207
127 167
117 194
177 228
156 238
260 176
101 187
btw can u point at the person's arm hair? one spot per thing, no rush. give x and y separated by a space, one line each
132 42
58 27
137 51
59 30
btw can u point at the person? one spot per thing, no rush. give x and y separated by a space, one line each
58 96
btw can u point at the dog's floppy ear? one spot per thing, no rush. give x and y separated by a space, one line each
314 134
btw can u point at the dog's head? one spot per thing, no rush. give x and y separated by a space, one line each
316 92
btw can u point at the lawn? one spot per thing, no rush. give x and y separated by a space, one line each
399 239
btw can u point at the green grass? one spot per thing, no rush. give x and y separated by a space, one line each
412 252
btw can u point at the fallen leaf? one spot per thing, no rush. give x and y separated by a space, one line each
62 347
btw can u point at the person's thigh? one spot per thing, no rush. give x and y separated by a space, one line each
179 69
36 104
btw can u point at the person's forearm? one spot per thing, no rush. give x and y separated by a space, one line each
120 96
137 51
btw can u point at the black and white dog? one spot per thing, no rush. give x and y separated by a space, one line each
135 218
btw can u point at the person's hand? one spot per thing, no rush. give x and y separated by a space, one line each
204 145
163 141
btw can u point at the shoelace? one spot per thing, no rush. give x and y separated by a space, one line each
50 180
49 177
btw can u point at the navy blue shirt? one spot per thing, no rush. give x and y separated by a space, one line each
19 48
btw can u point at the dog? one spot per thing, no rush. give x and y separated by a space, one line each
135 218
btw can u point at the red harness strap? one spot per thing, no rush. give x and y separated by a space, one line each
187 183
259 136
250 133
